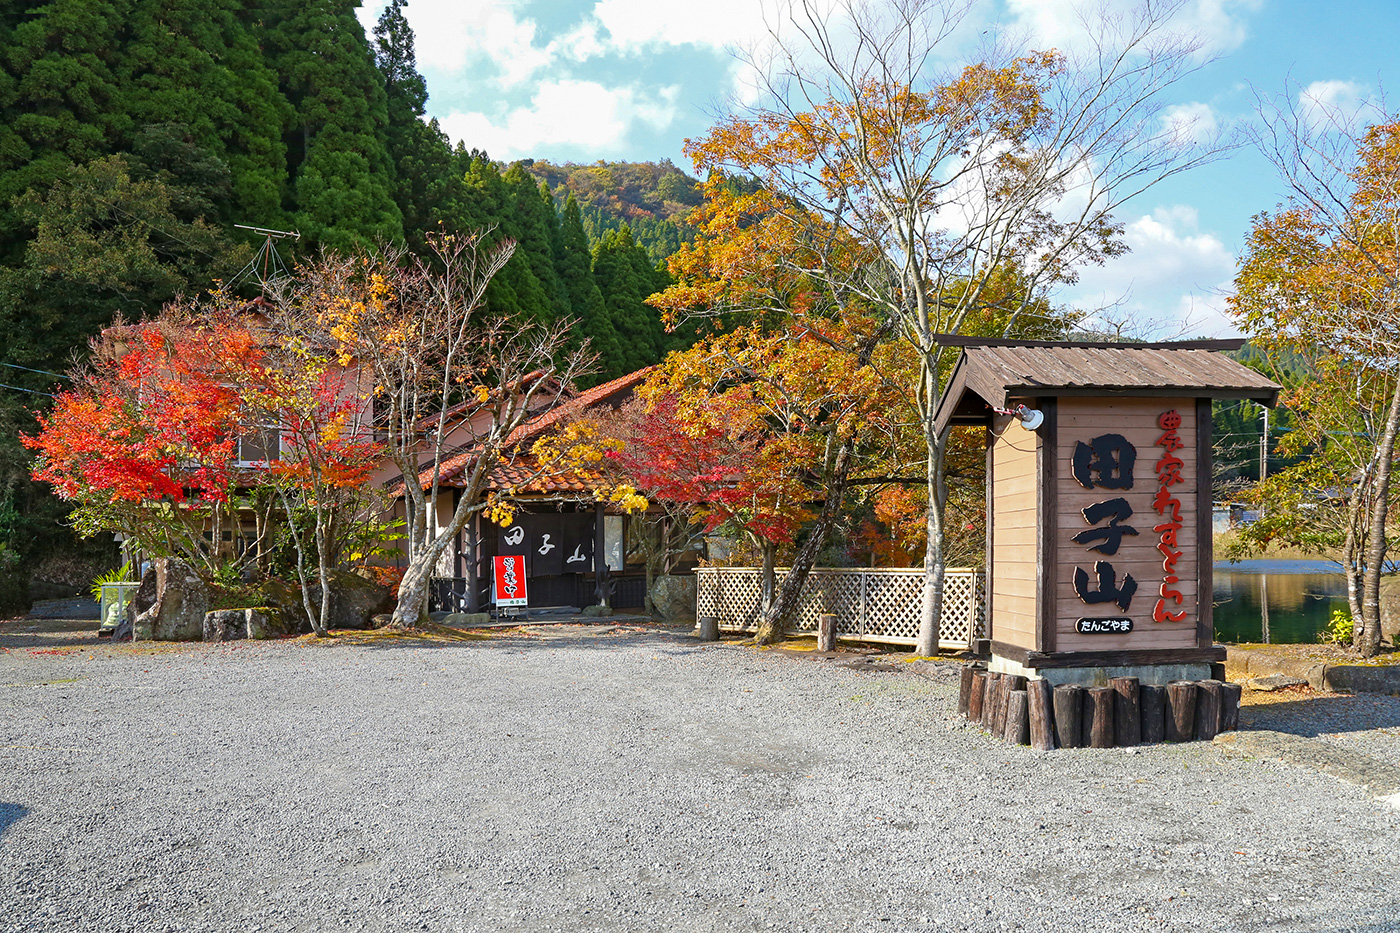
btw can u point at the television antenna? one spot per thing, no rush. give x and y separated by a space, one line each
266 264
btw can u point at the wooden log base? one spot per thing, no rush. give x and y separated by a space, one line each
974 700
1181 711
1209 694
1154 713
1042 714
1017 718
1068 700
1098 716
965 691
1127 711
1230 707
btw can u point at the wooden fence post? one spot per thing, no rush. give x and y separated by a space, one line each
826 632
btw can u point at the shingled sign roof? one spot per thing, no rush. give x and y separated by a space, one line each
996 374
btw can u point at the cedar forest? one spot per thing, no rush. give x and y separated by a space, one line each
137 133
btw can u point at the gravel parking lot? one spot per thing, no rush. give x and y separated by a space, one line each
625 778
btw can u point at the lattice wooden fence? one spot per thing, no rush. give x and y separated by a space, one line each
869 604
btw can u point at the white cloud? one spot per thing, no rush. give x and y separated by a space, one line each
1191 123
1337 102
566 115
1220 24
718 24
450 35
1175 274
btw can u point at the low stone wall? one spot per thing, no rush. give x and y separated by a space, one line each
1320 675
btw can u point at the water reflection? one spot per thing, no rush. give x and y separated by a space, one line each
1281 602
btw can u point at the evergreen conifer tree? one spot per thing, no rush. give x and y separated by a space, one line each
420 153
626 278
337 156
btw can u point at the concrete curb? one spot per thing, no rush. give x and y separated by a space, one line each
1344 678
1381 779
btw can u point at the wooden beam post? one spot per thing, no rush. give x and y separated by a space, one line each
826 632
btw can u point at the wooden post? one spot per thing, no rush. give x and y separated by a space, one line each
1230 707
1042 717
989 702
1069 707
826 632
1010 683
1208 696
1154 713
1181 711
1017 721
1098 716
964 688
979 691
1127 711
708 628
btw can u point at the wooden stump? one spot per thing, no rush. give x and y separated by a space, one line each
1017 719
708 628
1069 715
993 697
1010 684
1127 711
965 691
1154 713
1181 711
1098 716
1042 715
1208 697
1230 707
826 632
979 691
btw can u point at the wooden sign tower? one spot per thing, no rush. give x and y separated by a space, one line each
1098 502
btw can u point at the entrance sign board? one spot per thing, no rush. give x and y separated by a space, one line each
508 587
1098 537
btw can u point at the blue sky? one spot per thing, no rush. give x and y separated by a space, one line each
632 79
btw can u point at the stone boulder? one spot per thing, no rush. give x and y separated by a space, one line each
673 595
180 603
267 622
355 601
226 624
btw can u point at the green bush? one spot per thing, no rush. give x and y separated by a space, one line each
1338 630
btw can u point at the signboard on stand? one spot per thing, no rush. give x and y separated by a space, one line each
509 582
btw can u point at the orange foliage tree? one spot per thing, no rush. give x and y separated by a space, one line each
919 194
1319 282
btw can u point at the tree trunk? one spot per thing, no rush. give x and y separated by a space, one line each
927 640
781 612
767 582
1368 632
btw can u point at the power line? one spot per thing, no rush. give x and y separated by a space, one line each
30 391
28 369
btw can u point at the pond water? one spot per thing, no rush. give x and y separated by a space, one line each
1276 601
